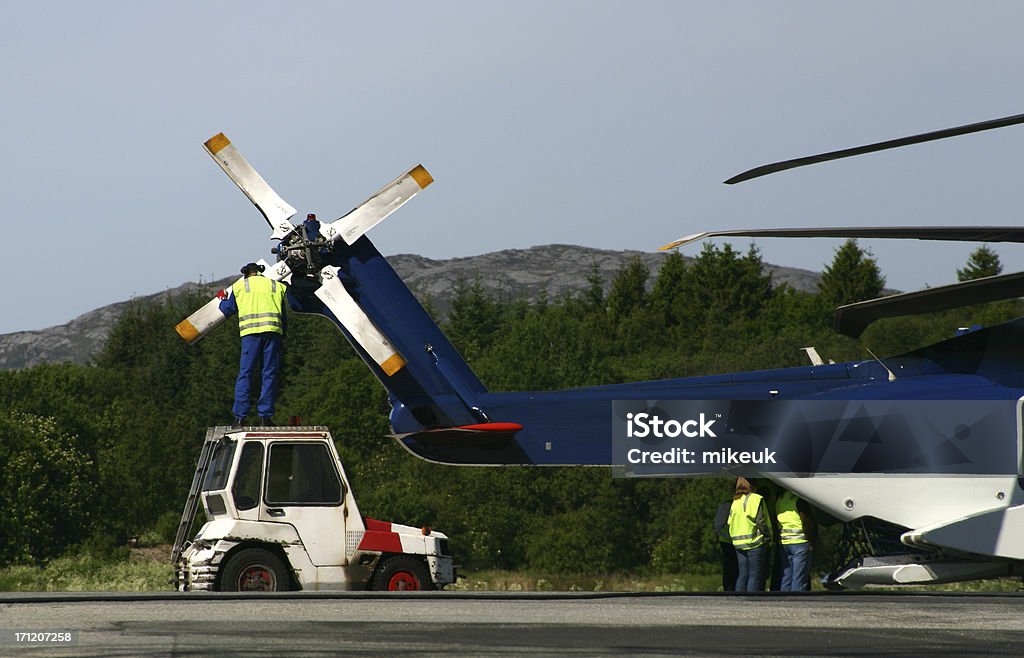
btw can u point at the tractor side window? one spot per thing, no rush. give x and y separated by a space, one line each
217 471
246 489
302 474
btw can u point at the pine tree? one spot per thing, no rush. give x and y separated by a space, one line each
629 289
720 286
474 318
852 276
982 262
667 287
593 296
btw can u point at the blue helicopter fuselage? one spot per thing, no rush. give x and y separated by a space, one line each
442 412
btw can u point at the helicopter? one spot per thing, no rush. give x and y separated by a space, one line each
919 455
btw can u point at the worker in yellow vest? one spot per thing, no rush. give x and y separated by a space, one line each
795 533
259 302
751 534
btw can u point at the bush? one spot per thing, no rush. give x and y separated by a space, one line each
47 489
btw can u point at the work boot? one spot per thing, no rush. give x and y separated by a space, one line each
238 421
265 421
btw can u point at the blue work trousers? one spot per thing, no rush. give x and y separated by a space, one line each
796 564
261 355
750 566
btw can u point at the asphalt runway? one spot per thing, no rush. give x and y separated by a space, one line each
470 624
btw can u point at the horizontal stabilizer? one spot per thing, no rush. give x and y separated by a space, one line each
853 319
333 294
276 211
492 427
878 146
374 210
949 233
486 444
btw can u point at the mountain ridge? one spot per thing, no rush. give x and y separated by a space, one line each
554 270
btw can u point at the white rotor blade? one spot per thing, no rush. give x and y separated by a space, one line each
276 211
279 271
333 294
200 323
374 210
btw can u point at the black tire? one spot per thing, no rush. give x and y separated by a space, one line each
254 570
402 573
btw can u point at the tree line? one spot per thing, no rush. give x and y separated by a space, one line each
92 455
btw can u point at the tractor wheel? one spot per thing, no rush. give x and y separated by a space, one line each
254 570
402 574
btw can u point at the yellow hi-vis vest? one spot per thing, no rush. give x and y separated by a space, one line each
260 304
791 526
742 528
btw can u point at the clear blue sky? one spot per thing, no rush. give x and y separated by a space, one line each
605 124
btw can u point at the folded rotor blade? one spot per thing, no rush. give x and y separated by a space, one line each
853 319
276 211
374 210
197 325
879 146
951 233
333 294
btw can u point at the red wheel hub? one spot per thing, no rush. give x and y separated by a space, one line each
403 581
257 578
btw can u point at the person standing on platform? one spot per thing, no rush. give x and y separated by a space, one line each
259 302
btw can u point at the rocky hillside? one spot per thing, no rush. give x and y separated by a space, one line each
512 273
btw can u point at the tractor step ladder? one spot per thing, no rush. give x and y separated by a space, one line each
213 436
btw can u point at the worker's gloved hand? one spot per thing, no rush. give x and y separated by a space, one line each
221 294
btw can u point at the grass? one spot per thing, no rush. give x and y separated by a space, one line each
141 572
990 585
515 581
149 570
512 581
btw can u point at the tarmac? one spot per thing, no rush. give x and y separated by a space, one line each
511 624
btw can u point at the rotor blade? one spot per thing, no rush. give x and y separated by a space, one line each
197 325
209 316
276 211
952 233
374 210
879 146
348 312
853 319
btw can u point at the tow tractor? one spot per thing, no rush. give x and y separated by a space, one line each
280 515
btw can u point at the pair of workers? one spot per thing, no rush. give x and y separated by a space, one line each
747 530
